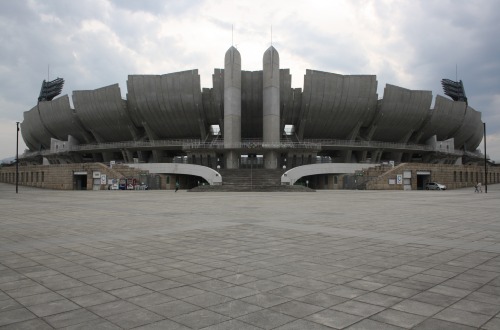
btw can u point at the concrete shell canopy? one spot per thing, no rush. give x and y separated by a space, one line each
402 112
446 118
336 106
167 106
103 112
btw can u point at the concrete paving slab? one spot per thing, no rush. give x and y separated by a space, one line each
15 315
355 259
34 324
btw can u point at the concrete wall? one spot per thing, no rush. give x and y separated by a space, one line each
60 177
453 176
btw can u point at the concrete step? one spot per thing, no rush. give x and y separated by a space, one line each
251 177
231 188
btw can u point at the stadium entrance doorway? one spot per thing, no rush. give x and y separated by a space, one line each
422 178
252 161
80 181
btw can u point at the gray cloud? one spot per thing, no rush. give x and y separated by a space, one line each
168 7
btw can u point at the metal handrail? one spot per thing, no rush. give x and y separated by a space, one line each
372 144
245 144
252 144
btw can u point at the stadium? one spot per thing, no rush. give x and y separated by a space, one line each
334 133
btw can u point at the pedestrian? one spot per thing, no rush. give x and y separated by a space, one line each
475 188
478 188
176 186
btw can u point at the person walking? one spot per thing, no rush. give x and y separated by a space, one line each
478 188
176 186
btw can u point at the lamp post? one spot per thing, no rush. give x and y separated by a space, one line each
485 167
17 157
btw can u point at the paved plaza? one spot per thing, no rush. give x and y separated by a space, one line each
185 260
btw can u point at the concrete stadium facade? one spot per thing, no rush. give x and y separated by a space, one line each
252 117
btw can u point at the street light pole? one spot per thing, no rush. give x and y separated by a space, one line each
485 167
17 157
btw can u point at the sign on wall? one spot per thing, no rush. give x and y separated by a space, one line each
103 178
96 175
399 179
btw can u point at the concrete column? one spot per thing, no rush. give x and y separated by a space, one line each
232 105
271 104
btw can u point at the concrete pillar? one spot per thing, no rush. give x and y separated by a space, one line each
232 105
271 104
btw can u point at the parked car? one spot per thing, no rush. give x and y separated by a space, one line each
434 186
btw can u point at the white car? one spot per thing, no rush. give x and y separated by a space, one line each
434 186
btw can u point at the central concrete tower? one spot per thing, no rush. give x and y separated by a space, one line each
232 106
271 105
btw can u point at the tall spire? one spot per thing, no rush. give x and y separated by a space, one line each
271 104
232 105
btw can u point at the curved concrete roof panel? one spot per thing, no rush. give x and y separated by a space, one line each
475 140
286 98
134 114
104 113
34 131
297 104
167 104
61 121
446 118
209 107
28 139
218 88
335 105
402 112
213 99
251 104
30 127
192 105
470 133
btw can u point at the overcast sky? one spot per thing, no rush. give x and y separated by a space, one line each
96 43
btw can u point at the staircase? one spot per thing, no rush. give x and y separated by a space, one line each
251 178
258 179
